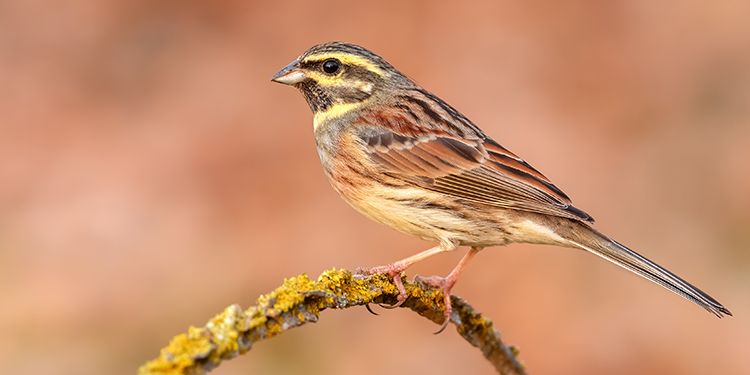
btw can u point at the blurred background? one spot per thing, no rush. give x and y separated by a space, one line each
151 174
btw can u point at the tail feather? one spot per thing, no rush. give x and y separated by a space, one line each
586 238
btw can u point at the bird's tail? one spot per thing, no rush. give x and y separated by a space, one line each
583 236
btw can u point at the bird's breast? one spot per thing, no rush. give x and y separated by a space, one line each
396 203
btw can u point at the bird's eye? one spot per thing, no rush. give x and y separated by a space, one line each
331 66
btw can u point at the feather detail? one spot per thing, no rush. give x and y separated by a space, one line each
427 143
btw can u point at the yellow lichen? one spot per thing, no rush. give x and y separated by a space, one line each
287 295
299 300
180 354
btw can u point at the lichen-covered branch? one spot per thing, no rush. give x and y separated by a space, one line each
300 300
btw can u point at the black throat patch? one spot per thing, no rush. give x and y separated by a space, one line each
316 97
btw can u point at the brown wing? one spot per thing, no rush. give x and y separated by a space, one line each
469 167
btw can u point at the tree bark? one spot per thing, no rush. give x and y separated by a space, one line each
300 300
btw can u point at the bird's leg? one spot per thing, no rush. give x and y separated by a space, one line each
394 269
446 284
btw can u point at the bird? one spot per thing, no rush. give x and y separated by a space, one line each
405 158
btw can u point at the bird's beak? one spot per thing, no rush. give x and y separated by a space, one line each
290 75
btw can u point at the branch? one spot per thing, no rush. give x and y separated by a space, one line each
300 300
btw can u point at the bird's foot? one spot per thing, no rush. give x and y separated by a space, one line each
393 271
445 284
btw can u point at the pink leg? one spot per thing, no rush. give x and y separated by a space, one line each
394 269
447 283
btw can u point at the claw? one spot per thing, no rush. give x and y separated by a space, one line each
394 272
401 293
395 269
442 327
445 284
446 313
389 307
367 306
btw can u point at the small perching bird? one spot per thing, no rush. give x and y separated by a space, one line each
403 157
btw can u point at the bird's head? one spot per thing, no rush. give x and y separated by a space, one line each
338 77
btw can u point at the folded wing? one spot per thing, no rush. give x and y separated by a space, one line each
467 166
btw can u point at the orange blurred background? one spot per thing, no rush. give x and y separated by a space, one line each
151 174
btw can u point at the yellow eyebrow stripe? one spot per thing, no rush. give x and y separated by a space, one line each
348 59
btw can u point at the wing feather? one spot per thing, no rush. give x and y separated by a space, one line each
460 163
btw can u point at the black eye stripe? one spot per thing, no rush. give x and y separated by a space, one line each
318 64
